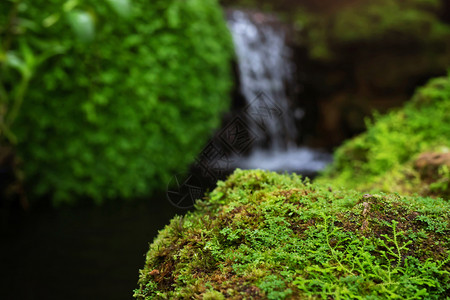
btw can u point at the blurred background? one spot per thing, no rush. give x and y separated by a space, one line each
115 115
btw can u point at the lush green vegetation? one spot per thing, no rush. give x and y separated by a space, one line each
262 235
107 99
383 157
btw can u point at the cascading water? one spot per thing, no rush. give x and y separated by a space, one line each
265 69
264 63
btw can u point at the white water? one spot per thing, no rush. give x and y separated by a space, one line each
301 159
265 68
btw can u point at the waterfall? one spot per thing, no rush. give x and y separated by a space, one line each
266 68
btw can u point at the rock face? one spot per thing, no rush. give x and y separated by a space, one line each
262 235
434 173
430 163
357 56
371 55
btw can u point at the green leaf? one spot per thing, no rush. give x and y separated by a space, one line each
121 7
17 63
14 61
173 15
27 54
51 20
69 5
82 24
52 49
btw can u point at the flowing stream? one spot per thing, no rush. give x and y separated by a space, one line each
266 71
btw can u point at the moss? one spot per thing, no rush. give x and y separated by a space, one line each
116 116
262 235
383 157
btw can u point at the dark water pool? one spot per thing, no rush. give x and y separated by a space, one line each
82 253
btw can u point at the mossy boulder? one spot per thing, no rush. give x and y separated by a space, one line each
262 235
122 106
392 155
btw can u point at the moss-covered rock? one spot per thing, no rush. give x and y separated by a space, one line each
262 235
385 157
121 106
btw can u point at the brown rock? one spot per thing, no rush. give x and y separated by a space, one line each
429 163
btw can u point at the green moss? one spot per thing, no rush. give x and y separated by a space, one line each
119 108
383 157
262 235
383 22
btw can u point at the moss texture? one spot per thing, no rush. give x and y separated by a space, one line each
385 157
262 235
117 113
